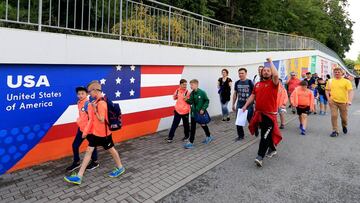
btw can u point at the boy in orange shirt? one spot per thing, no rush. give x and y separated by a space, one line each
82 121
181 112
101 134
282 100
303 99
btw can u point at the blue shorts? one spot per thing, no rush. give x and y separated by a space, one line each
323 99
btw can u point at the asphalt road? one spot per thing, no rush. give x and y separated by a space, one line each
311 168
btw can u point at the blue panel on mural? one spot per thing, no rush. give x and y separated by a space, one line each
33 97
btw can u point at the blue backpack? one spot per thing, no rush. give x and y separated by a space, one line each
114 115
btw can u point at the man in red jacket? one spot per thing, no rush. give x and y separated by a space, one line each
265 95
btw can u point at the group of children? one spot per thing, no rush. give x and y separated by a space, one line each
195 103
93 125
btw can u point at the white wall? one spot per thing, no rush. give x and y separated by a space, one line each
32 47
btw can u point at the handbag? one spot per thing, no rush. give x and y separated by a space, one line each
202 118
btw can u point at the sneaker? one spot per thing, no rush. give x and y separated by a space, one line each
271 153
258 161
239 139
185 139
334 134
74 178
169 141
189 145
345 130
256 132
92 165
282 126
117 172
73 167
302 130
207 140
228 119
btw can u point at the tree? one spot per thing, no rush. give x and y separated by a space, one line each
340 37
324 20
349 63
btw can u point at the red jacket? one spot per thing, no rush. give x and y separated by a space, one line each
257 118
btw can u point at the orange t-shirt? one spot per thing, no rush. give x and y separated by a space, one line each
282 97
181 106
83 118
302 98
100 129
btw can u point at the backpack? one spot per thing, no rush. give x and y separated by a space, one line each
86 107
114 115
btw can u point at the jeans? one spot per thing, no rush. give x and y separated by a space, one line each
266 141
176 122
193 130
76 145
240 129
335 108
224 109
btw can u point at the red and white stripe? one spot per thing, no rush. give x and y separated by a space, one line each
158 83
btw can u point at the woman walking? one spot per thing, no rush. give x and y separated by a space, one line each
224 86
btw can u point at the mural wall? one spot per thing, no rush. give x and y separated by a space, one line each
38 102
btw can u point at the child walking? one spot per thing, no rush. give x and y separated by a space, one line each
83 129
199 103
303 99
101 135
315 93
282 99
181 112
322 96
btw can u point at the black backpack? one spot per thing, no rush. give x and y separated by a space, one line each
114 115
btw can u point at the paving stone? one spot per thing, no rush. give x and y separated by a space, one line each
135 190
122 197
152 167
130 199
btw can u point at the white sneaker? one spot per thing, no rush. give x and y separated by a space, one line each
270 154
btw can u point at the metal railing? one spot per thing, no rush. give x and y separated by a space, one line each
153 22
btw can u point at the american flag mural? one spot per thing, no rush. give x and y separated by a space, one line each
39 111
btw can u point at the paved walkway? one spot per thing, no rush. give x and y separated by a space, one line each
307 169
154 169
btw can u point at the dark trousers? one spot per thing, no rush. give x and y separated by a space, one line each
240 129
176 122
76 145
266 127
193 130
